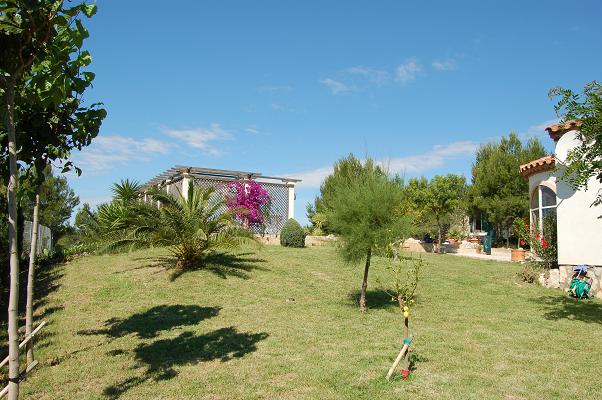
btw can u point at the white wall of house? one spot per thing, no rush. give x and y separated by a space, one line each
579 228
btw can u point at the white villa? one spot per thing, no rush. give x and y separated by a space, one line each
579 228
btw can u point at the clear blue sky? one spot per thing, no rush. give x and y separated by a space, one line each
286 88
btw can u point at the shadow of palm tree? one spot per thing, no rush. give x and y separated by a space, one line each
149 323
563 307
160 357
222 264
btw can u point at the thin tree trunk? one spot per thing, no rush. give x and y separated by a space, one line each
31 275
365 281
13 301
440 248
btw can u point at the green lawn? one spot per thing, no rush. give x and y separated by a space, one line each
283 324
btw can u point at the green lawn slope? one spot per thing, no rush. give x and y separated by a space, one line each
283 323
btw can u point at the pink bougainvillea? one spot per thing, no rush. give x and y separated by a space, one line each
246 201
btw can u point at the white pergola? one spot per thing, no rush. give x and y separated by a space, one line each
281 190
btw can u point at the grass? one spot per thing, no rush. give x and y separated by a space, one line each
283 323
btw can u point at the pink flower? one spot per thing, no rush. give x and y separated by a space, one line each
248 198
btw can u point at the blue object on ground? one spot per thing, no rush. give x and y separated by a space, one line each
582 268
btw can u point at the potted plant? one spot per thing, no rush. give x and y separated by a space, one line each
479 248
522 230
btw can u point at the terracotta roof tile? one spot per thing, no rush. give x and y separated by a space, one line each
557 130
541 164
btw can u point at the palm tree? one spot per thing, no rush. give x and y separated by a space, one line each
126 191
191 227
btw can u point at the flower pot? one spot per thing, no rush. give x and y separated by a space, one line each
478 250
474 240
517 255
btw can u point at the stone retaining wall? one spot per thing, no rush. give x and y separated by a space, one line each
274 239
559 278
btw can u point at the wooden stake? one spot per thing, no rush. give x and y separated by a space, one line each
406 334
24 342
401 354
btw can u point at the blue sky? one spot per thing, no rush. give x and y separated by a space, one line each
286 88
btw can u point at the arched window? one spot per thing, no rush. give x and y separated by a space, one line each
543 203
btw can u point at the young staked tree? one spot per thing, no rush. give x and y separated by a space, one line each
584 161
39 77
437 200
25 29
498 192
363 208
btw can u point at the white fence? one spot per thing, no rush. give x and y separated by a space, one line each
44 237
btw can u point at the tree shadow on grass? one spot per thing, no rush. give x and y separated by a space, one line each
563 307
222 264
159 358
375 299
149 323
48 280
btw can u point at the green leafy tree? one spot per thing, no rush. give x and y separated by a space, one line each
584 161
56 203
25 29
498 193
363 208
37 39
85 218
437 201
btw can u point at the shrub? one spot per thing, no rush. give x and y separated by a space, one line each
292 234
530 272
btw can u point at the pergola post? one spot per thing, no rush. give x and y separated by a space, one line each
291 200
186 179
158 202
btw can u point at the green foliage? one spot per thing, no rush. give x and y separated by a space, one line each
530 272
50 117
57 201
544 243
126 191
498 193
436 202
405 272
345 170
456 233
585 160
292 234
191 227
363 207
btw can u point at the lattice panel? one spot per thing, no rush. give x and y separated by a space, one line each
175 187
276 213
220 186
44 237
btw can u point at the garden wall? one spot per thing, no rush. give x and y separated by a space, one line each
274 239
